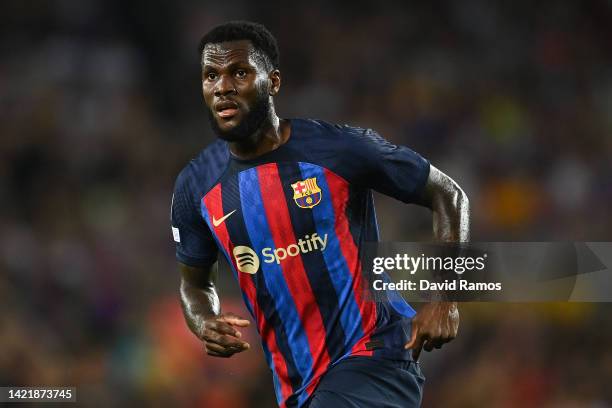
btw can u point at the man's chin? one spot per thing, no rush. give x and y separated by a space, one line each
230 137
243 125
230 132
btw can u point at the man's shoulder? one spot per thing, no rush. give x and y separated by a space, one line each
202 171
323 136
352 139
329 129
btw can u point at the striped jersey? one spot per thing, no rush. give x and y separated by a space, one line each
291 224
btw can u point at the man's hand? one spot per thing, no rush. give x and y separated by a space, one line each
220 337
435 323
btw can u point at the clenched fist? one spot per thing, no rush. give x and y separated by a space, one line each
435 323
220 337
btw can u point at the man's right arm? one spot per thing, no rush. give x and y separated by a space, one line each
202 312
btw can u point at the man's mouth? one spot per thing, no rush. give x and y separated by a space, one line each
227 113
226 109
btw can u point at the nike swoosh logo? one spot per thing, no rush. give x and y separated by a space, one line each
218 222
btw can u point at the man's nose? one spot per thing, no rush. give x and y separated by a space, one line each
224 86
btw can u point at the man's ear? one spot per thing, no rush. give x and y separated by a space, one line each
275 81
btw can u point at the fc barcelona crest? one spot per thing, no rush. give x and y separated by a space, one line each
306 193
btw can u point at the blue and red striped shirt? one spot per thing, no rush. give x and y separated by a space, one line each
291 223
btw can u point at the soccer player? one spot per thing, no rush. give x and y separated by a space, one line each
288 202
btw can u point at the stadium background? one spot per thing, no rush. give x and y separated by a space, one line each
100 109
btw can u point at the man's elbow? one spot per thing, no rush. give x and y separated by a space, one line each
448 196
455 202
461 200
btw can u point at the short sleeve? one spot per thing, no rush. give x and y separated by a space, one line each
195 245
393 170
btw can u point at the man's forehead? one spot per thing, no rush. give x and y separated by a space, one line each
217 53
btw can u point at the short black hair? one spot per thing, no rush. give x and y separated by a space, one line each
256 33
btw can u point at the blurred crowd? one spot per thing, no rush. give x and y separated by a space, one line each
100 108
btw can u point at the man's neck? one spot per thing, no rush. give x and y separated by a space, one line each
272 134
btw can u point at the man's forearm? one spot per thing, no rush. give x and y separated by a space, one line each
450 211
437 322
202 312
197 304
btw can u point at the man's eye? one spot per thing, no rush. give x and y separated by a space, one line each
241 73
211 76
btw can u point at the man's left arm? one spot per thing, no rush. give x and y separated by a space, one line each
436 323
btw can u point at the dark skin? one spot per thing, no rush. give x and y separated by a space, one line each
233 75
